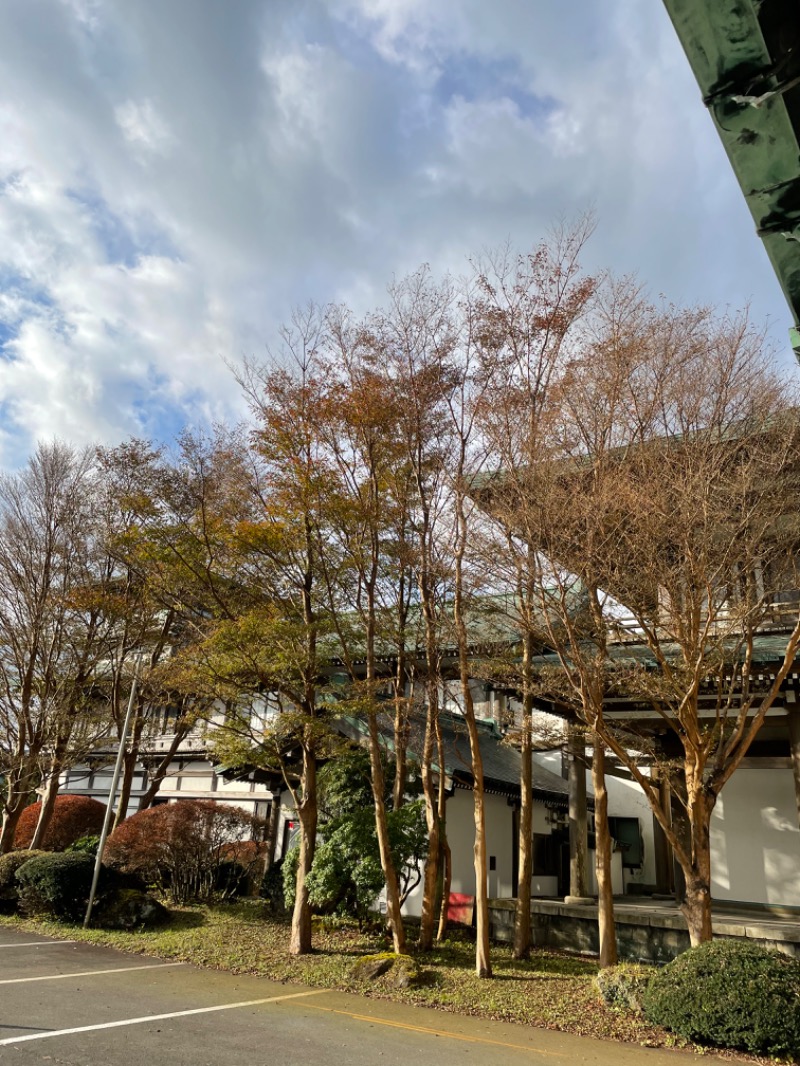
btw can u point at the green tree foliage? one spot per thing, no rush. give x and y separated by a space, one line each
346 876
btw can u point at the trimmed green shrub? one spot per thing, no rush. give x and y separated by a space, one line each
730 993
87 845
623 986
9 886
272 888
56 884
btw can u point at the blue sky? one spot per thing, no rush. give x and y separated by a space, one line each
176 175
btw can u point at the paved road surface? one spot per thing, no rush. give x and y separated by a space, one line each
71 1004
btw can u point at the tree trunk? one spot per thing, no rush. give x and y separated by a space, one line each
272 830
432 816
605 892
577 814
696 904
522 914
123 800
393 913
400 728
483 965
11 817
19 786
129 762
432 861
447 880
307 813
48 806
400 755
696 908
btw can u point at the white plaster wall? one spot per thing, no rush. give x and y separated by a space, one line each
461 836
625 800
540 822
194 780
755 839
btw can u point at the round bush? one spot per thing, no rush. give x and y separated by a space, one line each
9 886
73 817
56 884
181 847
732 994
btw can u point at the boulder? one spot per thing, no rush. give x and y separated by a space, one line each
129 909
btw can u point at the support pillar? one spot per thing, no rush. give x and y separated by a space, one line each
578 832
665 874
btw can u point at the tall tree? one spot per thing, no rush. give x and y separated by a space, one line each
671 508
47 654
527 313
413 340
369 524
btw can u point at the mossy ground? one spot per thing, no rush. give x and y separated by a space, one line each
550 990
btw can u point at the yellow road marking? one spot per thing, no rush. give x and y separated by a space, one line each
437 1032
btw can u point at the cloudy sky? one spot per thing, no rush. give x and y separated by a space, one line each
176 175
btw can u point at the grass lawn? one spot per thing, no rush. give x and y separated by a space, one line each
552 990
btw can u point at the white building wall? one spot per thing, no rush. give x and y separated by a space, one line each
461 836
625 800
186 779
755 839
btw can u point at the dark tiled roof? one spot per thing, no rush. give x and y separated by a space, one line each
501 760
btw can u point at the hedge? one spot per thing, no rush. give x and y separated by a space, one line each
732 994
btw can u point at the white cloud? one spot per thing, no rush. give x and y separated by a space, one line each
142 126
175 175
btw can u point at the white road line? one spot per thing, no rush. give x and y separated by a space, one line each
160 1017
38 944
88 973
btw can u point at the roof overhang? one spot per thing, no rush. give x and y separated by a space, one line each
745 55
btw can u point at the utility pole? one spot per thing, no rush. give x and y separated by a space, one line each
112 795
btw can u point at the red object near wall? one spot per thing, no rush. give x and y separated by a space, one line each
460 908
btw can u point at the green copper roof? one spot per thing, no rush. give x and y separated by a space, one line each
745 55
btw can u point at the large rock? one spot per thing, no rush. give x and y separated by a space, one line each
129 909
372 966
405 973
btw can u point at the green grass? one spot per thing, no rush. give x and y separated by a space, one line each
551 990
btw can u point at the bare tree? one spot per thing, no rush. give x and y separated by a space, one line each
413 339
47 654
526 322
669 506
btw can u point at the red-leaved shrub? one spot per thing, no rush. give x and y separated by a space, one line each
182 847
73 817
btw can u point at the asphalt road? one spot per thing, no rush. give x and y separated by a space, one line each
79 1005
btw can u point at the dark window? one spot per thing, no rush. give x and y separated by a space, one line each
545 854
628 836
